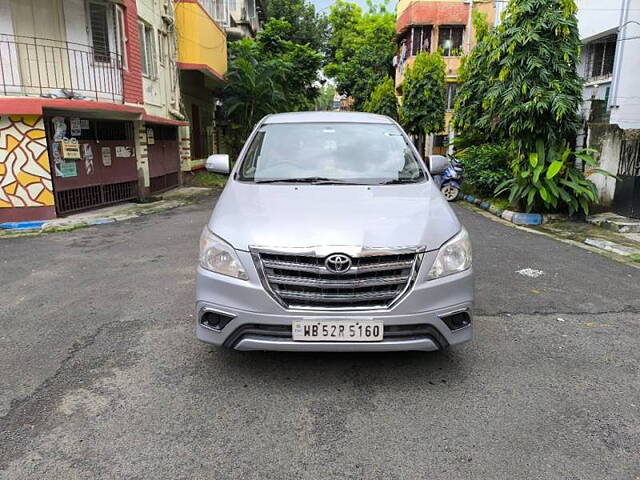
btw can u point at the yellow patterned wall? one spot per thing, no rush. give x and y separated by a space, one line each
25 175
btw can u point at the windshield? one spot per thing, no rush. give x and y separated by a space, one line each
357 153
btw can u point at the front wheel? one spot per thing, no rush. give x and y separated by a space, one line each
450 192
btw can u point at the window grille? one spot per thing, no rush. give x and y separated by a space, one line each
600 56
99 31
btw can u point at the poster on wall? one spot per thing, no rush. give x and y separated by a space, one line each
68 169
151 138
106 156
59 128
123 152
70 149
76 127
84 124
57 158
87 153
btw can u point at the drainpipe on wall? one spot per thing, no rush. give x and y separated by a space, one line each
470 27
617 67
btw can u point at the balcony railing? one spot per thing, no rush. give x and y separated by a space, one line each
50 68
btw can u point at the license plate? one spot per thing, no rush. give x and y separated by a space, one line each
337 330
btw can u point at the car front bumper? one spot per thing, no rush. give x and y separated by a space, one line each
256 321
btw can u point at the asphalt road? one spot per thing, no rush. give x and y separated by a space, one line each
101 376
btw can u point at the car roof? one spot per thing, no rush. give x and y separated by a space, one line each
329 117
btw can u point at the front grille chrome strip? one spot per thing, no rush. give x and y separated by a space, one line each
329 298
302 282
302 267
308 282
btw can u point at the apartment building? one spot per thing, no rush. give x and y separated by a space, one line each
89 104
438 25
609 66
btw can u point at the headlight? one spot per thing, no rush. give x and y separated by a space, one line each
453 257
220 257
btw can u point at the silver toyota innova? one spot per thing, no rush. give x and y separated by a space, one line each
330 235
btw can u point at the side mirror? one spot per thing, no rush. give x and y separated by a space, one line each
437 164
218 163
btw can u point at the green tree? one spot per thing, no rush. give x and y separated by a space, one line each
361 49
267 75
473 83
308 27
253 90
297 64
525 73
383 100
423 96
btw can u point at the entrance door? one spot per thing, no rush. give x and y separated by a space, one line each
106 173
40 44
627 197
164 158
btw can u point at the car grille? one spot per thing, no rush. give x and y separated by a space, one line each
301 281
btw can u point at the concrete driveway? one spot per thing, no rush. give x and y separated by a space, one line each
102 377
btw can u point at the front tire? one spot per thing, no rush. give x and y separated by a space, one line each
450 192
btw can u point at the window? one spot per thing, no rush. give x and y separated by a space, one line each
218 10
162 47
451 95
440 140
251 9
221 12
99 31
450 40
147 50
121 36
601 55
420 38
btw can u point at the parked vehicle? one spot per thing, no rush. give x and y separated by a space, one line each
331 235
451 179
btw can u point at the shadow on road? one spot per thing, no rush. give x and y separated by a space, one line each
329 369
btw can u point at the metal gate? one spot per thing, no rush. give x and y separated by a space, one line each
105 174
164 157
627 197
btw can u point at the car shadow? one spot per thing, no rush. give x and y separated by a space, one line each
331 369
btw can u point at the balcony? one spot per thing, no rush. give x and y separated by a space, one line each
31 66
202 43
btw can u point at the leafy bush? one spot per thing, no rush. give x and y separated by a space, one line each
549 180
383 100
486 166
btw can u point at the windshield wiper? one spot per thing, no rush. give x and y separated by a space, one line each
397 181
313 180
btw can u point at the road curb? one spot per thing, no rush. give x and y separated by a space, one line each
22 226
517 218
39 227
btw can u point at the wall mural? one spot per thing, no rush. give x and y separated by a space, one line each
25 175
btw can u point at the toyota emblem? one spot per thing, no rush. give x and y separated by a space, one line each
338 263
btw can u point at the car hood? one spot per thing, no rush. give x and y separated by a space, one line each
296 216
